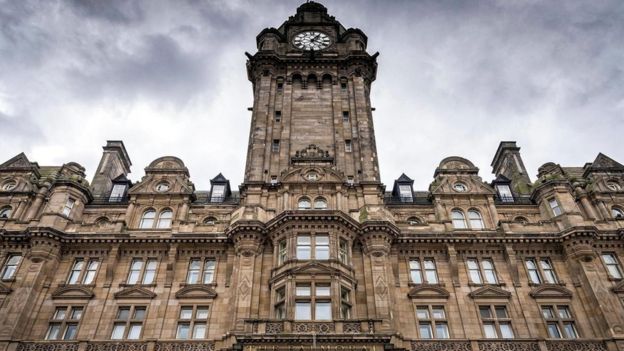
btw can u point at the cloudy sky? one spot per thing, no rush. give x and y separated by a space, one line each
168 78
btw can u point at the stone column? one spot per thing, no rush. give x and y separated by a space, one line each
37 267
376 243
248 241
36 205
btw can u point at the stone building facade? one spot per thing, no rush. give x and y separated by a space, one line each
312 252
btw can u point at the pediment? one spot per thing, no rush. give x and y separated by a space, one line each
177 185
314 267
5 290
196 291
325 174
20 163
72 292
550 291
474 184
618 288
490 292
428 291
136 292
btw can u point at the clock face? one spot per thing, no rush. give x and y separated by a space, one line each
311 40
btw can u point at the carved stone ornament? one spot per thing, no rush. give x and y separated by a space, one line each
196 291
312 153
310 327
184 346
73 292
117 346
508 346
569 345
135 292
441 345
550 291
352 327
376 244
490 292
57 346
424 291
274 327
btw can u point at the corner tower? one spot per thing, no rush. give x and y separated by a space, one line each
311 79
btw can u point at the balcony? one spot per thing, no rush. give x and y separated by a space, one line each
513 200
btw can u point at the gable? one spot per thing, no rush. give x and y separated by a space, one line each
490 292
196 292
135 293
550 291
72 292
428 291
20 163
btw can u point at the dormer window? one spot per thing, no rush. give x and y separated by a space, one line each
218 193
405 192
118 193
504 193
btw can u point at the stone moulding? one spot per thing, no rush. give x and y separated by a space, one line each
576 345
550 291
508 346
441 345
313 327
73 292
117 346
490 292
428 291
135 292
184 346
196 291
48 346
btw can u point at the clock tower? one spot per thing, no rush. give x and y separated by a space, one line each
312 127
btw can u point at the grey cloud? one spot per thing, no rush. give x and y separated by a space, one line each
115 11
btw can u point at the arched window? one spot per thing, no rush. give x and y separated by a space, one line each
304 204
459 221
5 212
617 212
210 220
476 222
164 219
320 203
413 221
102 222
147 220
521 219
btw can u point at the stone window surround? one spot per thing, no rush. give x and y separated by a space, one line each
291 246
87 260
141 277
431 320
540 271
156 219
495 320
64 322
130 321
560 321
422 270
193 321
479 260
202 272
5 266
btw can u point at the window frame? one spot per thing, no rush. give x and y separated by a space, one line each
616 264
275 146
559 321
142 271
432 321
68 206
495 320
203 270
554 210
422 270
345 117
313 246
192 322
6 265
83 272
313 299
540 270
130 321
161 219
301 201
346 307
481 271
280 310
343 251
65 322
455 220
348 145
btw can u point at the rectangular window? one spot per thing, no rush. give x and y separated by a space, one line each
278 116
200 271
141 273
118 192
345 116
280 303
343 86
321 250
281 252
218 193
343 251
405 192
128 323
347 145
554 206
613 266
432 323
64 323
304 247
280 87
345 303
559 322
504 193
303 310
496 322
313 301
275 147
69 205
82 273
424 272
10 266
482 272
192 322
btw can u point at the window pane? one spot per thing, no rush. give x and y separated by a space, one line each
53 332
490 277
425 331
564 312
303 252
414 264
123 313
438 313
570 330
303 290
89 277
501 312
199 331
139 313
475 277
472 264
609 259
118 331
208 277
422 312
303 311
442 331
186 312
202 313
322 253
323 311
415 276
151 264
547 312
193 277
490 331
506 331
149 277
485 312
134 332
183 331
70 331
133 278
553 331
60 313
76 313
322 290
534 276
195 264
